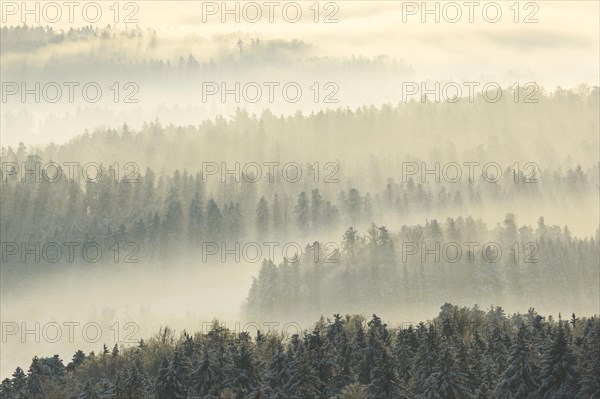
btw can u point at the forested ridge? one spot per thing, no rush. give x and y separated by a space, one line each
168 212
172 220
423 265
145 54
462 353
190 205
398 132
156 174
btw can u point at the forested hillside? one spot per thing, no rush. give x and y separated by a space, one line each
462 353
419 266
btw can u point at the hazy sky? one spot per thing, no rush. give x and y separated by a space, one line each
561 48
544 51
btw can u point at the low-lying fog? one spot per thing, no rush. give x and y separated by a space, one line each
90 306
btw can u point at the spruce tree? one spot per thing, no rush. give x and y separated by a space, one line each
244 381
277 373
171 380
262 219
195 221
446 382
206 379
559 377
302 214
214 228
590 381
316 211
88 392
519 380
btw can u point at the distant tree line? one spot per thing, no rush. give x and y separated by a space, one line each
161 210
145 57
423 265
371 137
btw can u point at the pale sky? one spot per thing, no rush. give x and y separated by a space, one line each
561 48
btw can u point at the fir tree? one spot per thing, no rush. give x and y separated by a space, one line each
559 377
446 382
262 219
88 392
171 379
302 214
519 380
214 228
206 377
590 381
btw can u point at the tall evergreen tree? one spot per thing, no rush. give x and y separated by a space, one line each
559 377
303 214
262 219
206 377
171 380
195 221
590 381
316 211
89 392
519 380
214 228
446 382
